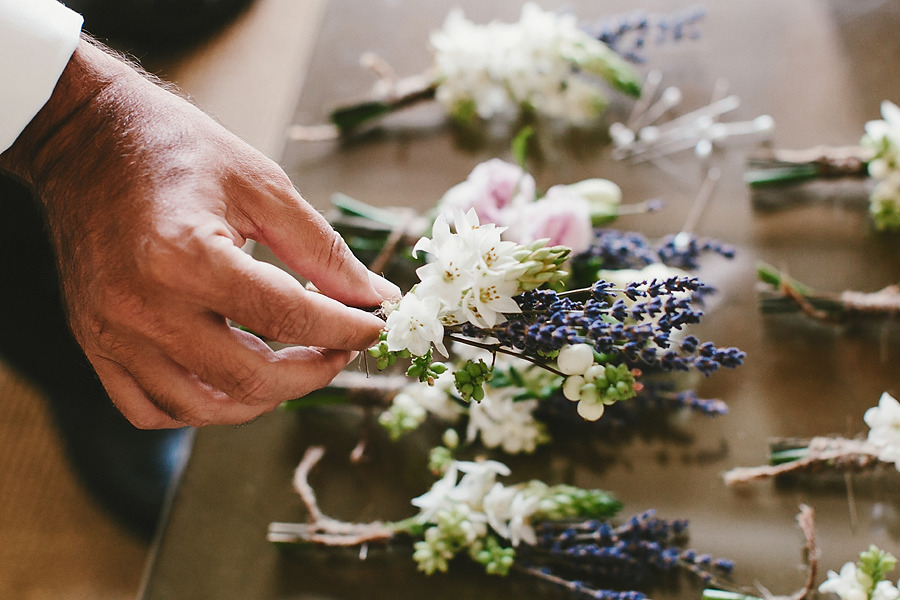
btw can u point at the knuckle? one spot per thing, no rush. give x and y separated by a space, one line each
194 414
160 257
252 388
332 253
180 254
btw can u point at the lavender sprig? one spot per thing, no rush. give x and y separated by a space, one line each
614 249
635 553
628 33
640 334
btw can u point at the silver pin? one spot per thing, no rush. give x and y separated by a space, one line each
683 239
648 91
669 99
725 135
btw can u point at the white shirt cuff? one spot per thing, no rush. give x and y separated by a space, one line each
37 39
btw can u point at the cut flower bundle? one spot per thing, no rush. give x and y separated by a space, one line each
548 316
834 454
560 534
484 292
877 155
545 64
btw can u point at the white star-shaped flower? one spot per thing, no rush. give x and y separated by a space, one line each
414 325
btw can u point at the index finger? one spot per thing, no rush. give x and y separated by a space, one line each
307 244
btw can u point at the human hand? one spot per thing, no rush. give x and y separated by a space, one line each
149 202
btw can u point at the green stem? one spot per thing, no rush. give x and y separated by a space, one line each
503 350
780 175
794 296
780 457
769 274
349 118
351 206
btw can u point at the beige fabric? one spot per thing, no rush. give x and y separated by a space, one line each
56 543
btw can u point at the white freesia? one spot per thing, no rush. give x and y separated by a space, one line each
848 584
523 507
509 511
885 590
885 133
883 137
447 274
884 428
502 422
479 499
472 273
414 325
495 69
439 497
436 398
478 478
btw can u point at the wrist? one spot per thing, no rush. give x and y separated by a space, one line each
51 134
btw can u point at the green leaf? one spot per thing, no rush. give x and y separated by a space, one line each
351 117
520 145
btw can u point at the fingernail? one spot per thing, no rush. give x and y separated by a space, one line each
386 289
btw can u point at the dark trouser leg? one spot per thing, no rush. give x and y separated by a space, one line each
128 470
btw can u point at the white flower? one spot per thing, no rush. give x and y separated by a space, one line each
478 478
498 68
846 584
885 134
497 507
414 325
509 511
524 505
501 421
447 274
885 590
490 297
439 497
883 137
884 428
434 398
473 272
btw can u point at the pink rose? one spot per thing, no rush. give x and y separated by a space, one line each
495 189
561 215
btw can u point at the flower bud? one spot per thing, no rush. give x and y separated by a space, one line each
603 196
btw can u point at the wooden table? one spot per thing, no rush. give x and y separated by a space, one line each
820 69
